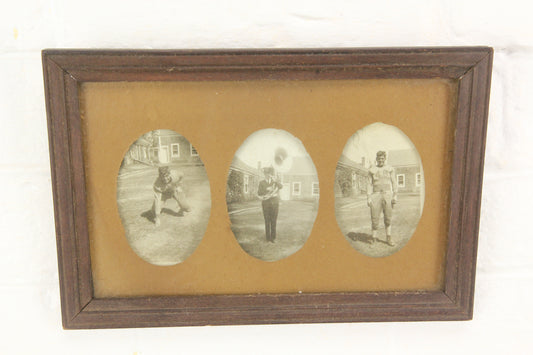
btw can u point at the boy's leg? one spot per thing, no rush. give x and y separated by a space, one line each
156 208
375 212
267 215
389 236
273 221
387 218
182 201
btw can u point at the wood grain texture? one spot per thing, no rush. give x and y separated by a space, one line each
64 70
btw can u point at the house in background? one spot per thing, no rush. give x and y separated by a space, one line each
139 152
352 177
162 147
300 182
409 175
243 181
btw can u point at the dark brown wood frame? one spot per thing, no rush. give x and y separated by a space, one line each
64 70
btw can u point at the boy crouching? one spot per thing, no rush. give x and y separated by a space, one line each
168 187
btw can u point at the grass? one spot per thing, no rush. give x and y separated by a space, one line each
353 217
295 221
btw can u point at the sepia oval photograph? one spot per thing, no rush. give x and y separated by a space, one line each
163 197
379 190
272 194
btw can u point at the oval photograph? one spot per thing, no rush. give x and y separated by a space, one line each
272 194
379 190
163 197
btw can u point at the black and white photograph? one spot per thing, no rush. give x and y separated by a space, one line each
379 190
163 197
272 194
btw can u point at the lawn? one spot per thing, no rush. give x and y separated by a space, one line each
295 222
177 236
353 217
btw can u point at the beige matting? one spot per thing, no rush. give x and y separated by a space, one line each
216 117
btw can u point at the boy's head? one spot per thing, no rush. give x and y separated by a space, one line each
164 174
381 156
268 172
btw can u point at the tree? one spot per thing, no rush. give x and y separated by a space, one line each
234 193
344 179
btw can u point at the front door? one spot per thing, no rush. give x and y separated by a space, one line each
285 192
163 155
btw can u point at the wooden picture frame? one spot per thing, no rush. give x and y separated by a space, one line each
65 73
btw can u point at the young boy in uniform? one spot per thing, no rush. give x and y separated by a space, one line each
381 195
267 192
168 187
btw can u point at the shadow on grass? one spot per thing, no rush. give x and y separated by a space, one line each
149 215
172 212
360 237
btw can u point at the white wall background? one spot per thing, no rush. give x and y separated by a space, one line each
29 296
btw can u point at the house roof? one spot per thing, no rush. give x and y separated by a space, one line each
344 160
347 162
167 133
404 157
238 164
143 142
302 166
299 166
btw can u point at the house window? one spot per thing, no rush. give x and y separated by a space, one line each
296 188
245 185
418 179
175 150
315 189
193 151
400 179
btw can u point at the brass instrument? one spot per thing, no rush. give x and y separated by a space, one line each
282 160
282 164
273 191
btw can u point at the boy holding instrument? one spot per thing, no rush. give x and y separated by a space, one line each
268 192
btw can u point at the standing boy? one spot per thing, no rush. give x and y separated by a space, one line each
381 195
268 192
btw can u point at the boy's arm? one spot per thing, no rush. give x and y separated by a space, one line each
261 189
279 185
394 185
158 186
369 188
178 185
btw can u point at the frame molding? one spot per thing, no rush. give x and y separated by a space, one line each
64 70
